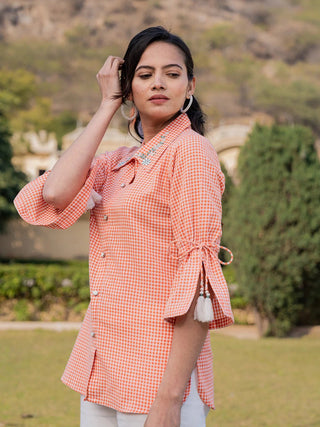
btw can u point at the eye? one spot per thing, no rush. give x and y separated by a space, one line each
144 76
174 75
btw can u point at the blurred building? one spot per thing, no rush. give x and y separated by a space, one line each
36 152
39 153
231 135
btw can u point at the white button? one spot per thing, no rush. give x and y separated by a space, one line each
92 334
95 293
103 254
123 185
105 217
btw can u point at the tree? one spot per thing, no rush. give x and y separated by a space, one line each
11 180
273 225
25 111
290 102
225 208
17 88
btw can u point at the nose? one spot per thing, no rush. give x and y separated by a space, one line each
158 82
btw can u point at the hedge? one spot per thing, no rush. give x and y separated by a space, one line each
273 227
45 282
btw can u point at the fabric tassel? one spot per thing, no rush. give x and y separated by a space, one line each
207 309
204 311
199 307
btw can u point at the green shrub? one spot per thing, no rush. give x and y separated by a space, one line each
228 270
229 273
21 310
17 87
11 179
78 36
222 35
293 102
309 12
239 302
299 43
45 283
274 226
39 284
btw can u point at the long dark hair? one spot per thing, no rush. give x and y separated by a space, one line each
135 49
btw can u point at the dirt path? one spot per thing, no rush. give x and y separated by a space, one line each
237 331
28 326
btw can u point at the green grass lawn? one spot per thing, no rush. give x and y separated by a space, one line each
269 382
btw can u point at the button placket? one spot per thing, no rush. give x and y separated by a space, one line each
129 173
103 242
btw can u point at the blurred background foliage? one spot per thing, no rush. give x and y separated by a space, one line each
11 180
273 225
44 289
250 57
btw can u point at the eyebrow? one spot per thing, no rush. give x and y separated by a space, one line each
148 67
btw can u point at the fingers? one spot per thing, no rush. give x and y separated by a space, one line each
108 79
111 66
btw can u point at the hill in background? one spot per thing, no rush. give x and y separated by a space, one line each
251 56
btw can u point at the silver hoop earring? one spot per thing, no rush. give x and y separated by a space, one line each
131 117
188 106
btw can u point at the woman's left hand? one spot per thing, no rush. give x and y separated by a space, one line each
164 413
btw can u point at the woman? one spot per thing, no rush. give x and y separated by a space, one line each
143 356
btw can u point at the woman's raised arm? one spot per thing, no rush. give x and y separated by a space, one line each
69 173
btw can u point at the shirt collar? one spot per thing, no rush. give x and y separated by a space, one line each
149 153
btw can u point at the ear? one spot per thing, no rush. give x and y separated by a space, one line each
191 86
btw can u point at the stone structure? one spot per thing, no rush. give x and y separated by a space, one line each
230 136
21 240
227 140
112 140
35 153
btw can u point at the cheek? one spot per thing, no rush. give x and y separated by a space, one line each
137 91
181 87
179 94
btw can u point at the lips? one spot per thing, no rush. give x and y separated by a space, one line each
158 97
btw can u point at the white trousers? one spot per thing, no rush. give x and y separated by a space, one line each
193 413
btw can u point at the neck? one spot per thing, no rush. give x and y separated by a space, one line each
150 128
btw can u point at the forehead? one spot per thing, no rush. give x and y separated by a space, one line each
162 53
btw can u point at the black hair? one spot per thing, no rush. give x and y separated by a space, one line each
135 49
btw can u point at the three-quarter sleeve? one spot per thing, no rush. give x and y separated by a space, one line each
197 185
33 209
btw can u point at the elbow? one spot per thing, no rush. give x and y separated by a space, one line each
48 195
53 199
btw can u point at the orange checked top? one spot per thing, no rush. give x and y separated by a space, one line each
155 220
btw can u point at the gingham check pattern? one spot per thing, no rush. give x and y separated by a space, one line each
159 219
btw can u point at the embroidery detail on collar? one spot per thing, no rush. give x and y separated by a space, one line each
145 156
124 161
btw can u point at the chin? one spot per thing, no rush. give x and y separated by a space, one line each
165 114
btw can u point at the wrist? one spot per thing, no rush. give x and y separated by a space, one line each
170 396
110 104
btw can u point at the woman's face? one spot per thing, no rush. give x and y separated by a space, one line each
160 84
